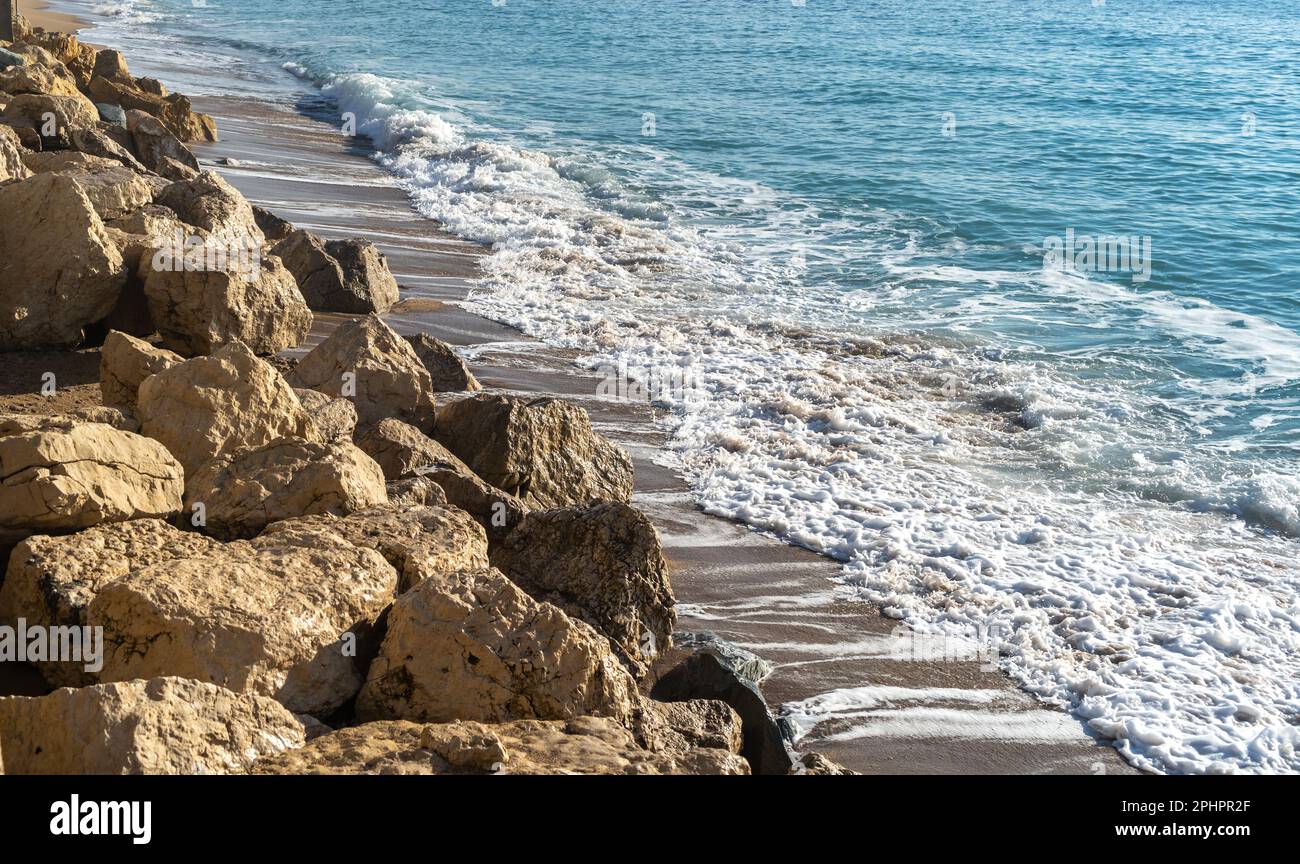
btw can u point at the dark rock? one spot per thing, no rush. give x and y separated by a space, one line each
706 675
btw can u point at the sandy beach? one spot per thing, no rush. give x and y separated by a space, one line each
39 13
883 704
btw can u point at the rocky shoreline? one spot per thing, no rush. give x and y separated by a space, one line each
344 561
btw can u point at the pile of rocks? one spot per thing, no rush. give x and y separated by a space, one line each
361 565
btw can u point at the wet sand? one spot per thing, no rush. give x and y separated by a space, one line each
903 715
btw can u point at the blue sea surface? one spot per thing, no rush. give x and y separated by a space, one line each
840 215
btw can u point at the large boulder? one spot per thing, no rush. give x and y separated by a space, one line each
11 156
420 542
65 48
198 310
59 270
281 616
111 64
174 111
447 371
365 272
335 419
97 142
602 563
159 726
210 203
114 190
584 745
68 475
473 646
158 149
243 492
53 116
543 451
210 406
349 276
124 363
404 453
52 579
364 360
39 79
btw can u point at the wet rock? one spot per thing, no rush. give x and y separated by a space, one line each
365 273
817 765
349 276
704 675
364 360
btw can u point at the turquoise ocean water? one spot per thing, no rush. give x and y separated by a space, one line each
837 222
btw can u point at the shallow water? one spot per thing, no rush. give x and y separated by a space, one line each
819 232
